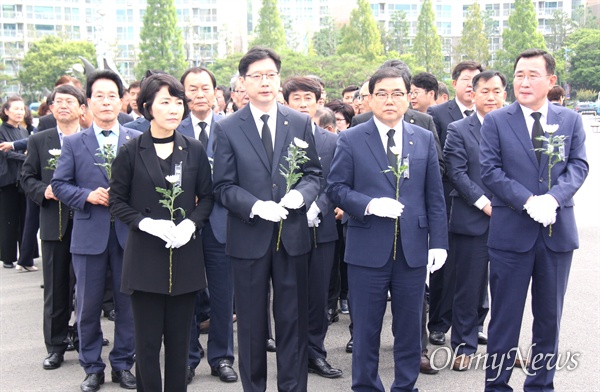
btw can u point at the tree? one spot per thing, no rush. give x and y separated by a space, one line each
473 44
50 58
560 27
584 18
398 32
520 34
584 52
161 41
292 37
326 40
427 46
361 36
269 30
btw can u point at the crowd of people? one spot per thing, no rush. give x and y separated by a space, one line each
177 203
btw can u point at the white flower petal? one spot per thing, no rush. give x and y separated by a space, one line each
173 178
300 143
54 152
395 150
551 128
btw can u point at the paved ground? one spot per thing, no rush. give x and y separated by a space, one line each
22 347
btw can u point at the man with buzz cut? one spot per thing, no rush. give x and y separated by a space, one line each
252 145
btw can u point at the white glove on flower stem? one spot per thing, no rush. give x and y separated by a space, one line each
385 207
292 200
183 233
436 259
161 228
269 210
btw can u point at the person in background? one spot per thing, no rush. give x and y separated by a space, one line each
343 113
443 94
325 119
348 93
423 91
556 96
221 97
238 93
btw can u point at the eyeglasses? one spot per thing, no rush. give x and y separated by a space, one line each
257 77
102 97
69 102
240 91
363 97
415 93
397 96
520 77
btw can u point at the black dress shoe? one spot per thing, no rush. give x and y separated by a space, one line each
481 338
9 265
349 345
425 366
53 361
437 338
124 378
105 342
271 346
224 370
322 368
92 382
190 374
333 316
110 315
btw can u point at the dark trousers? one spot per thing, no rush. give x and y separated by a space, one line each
510 275
338 282
471 254
289 275
159 317
201 313
58 290
368 302
29 245
319 269
90 275
12 220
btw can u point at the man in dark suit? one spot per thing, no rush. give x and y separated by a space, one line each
200 85
532 228
252 145
98 239
469 215
361 183
441 284
303 94
56 223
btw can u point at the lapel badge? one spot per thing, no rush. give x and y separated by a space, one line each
127 137
285 123
410 142
412 120
180 148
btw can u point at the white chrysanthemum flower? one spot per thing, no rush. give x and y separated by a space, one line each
173 178
395 150
300 143
551 128
55 152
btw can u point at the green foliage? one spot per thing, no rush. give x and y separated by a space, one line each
560 28
427 45
584 45
361 35
269 31
584 18
586 95
473 44
520 34
50 58
326 40
398 33
107 153
161 41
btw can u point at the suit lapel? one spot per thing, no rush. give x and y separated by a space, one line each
475 128
88 138
150 159
282 138
373 141
454 111
516 120
553 118
408 145
180 153
248 128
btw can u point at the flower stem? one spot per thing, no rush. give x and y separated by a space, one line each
549 185
59 221
279 234
170 269
315 235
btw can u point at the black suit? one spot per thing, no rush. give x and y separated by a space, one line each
160 310
243 176
55 233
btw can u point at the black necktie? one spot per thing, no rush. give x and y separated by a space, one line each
106 133
536 132
266 137
203 137
468 112
390 143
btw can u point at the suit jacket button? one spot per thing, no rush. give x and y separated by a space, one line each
274 186
541 179
147 210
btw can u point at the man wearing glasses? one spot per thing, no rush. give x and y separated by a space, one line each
388 247
238 93
252 144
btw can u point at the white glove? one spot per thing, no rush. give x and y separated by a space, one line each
385 207
436 259
292 200
183 233
313 212
542 209
161 228
314 223
269 210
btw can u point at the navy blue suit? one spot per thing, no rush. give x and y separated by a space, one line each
521 250
357 176
320 261
98 241
140 124
469 227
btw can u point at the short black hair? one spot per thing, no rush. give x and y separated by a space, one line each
548 58
255 54
136 84
463 65
487 75
338 106
443 89
150 87
103 74
226 92
427 81
556 93
198 70
389 72
70 90
7 105
301 83
350 89
325 117
398 64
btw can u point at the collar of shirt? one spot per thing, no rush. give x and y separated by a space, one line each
314 127
479 116
61 135
256 113
113 137
197 129
530 120
463 107
383 130
134 115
